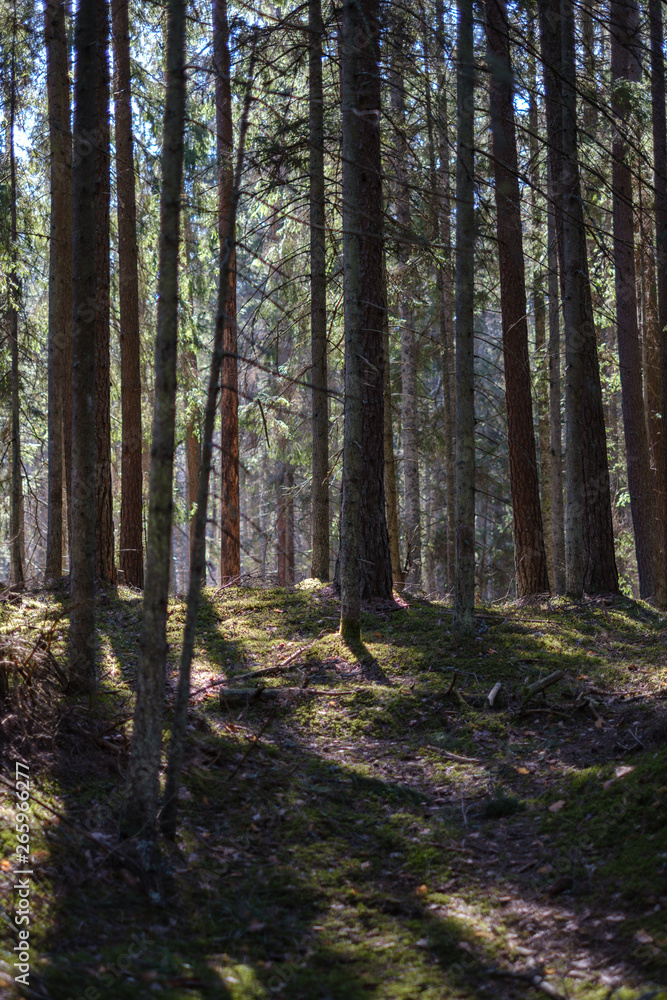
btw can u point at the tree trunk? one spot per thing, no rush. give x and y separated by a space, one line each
364 547
60 272
540 319
660 185
445 296
588 518
84 323
646 270
230 549
285 524
140 808
625 69
391 492
16 528
409 346
555 426
198 556
318 301
464 593
529 553
104 541
131 556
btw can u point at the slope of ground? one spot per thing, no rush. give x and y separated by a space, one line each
377 831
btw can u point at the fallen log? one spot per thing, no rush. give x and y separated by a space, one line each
241 697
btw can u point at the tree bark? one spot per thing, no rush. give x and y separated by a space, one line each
660 186
318 301
391 491
131 555
464 592
140 807
365 558
588 519
104 539
198 556
16 527
409 346
529 553
84 323
230 538
540 319
445 295
555 426
60 272
626 69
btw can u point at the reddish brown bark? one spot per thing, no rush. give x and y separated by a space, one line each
660 184
530 558
230 541
60 276
626 68
131 555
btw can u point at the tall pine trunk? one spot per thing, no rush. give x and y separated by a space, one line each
16 526
198 551
409 344
131 555
230 540
390 488
660 186
60 272
464 592
104 540
140 807
364 550
444 291
555 425
625 70
589 537
84 323
529 553
318 300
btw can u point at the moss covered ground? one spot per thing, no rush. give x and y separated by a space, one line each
380 831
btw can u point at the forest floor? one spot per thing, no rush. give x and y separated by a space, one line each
379 830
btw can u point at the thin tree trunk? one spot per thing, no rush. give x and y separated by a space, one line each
318 301
464 593
626 67
391 491
104 540
529 553
556 432
444 291
230 549
660 185
84 322
60 272
651 363
409 346
350 516
540 320
16 527
131 555
140 807
177 745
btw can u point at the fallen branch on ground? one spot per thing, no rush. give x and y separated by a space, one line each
547 682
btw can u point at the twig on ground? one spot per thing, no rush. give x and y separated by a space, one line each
547 682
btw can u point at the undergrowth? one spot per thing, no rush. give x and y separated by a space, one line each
380 831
